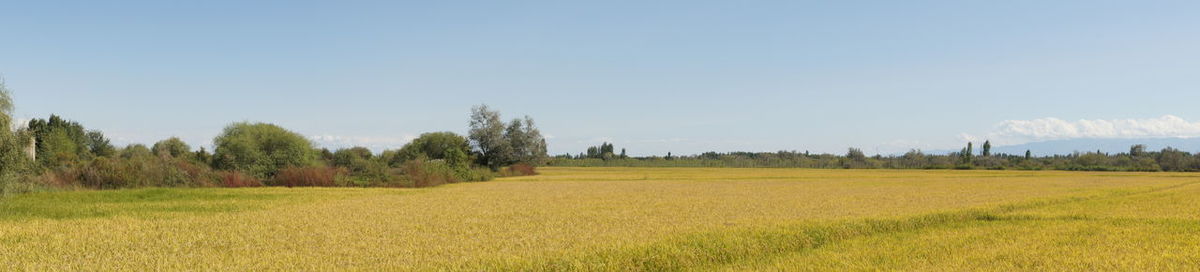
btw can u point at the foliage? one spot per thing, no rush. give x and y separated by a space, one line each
135 151
424 173
519 169
308 176
526 142
202 156
61 142
172 147
133 172
434 145
233 179
261 149
497 144
14 161
1168 159
364 169
99 145
604 152
487 137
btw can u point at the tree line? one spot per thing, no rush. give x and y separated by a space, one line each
57 153
1138 158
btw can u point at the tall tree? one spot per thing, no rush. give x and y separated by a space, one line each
987 148
99 145
1137 150
856 154
62 142
497 144
487 137
526 142
14 160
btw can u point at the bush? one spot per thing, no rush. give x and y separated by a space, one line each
475 174
261 150
423 173
173 147
234 179
434 145
311 176
364 169
519 169
115 173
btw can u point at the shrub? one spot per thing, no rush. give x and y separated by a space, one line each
261 149
519 169
234 179
424 173
144 171
434 145
310 176
173 147
135 150
475 174
364 169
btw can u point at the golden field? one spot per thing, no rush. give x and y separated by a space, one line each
630 219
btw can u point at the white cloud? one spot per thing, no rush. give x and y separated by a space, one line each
1023 131
374 143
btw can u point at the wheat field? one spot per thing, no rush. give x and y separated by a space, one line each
630 219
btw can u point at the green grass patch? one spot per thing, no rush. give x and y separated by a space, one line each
151 202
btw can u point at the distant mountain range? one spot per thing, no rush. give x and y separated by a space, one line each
1103 145
1063 147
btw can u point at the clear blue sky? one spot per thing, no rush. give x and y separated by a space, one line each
652 76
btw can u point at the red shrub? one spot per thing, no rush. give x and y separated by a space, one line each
519 169
313 176
237 179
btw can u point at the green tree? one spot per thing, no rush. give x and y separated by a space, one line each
203 156
59 149
498 144
100 145
172 147
856 154
1171 159
526 142
60 142
364 167
1137 150
433 145
135 151
261 149
349 156
593 152
14 159
487 137
987 148
967 153
913 159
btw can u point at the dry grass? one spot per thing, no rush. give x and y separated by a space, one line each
629 219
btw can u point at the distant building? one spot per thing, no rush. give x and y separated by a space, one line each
31 149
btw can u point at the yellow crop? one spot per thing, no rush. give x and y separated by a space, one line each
630 219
